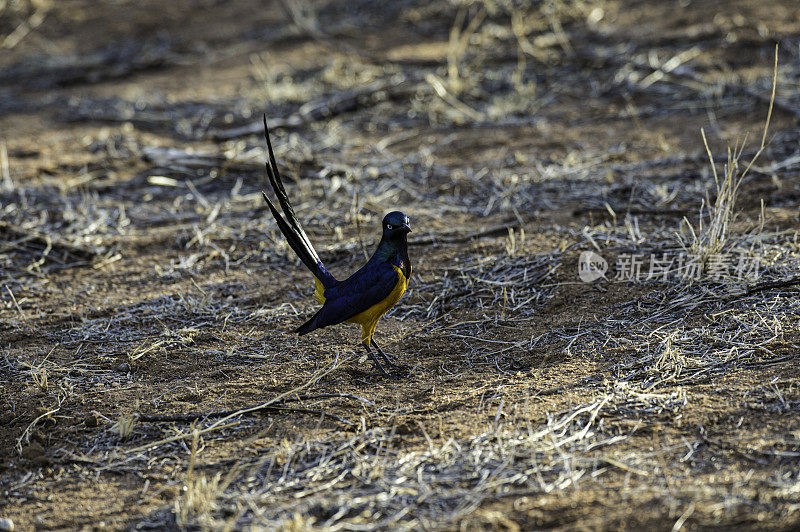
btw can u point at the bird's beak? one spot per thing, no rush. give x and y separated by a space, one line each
407 227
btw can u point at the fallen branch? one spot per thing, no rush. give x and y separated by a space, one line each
329 106
492 231
219 425
770 285
116 60
187 418
633 211
754 455
178 418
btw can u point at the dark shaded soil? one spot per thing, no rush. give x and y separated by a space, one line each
143 277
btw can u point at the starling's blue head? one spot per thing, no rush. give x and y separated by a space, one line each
396 225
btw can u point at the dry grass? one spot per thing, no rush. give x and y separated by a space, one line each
713 232
148 299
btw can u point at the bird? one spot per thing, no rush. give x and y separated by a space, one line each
365 296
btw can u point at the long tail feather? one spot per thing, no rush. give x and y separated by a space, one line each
290 226
297 245
308 326
283 198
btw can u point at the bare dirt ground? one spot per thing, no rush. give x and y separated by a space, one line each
148 298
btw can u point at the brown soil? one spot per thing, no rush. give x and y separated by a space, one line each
139 284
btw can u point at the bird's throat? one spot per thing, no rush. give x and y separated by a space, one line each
395 251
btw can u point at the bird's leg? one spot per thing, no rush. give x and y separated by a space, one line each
388 358
375 360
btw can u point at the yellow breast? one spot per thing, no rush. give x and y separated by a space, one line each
369 318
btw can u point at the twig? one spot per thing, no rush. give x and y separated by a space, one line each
446 239
221 423
633 211
223 413
14 299
770 285
328 106
185 418
748 453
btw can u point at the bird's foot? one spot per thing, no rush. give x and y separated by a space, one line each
380 374
390 359
401 369
395 371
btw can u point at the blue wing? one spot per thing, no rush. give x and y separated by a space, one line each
365 288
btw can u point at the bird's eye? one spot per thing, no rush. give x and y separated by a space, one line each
389 226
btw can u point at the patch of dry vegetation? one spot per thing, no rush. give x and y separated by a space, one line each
148 300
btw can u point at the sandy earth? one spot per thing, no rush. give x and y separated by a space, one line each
144 278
